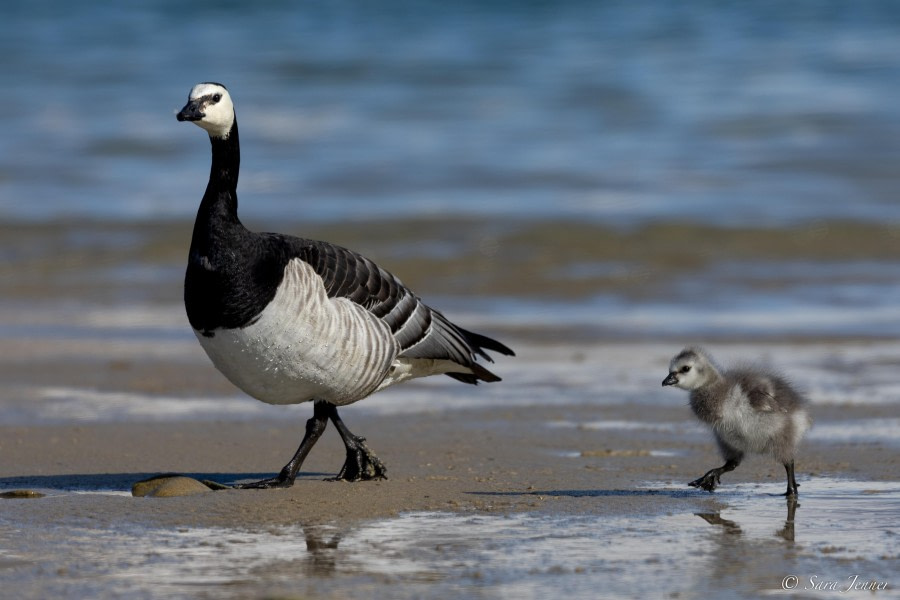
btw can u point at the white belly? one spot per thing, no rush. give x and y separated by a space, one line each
746 429
305 346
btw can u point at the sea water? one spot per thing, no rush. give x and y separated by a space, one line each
842 532
595 183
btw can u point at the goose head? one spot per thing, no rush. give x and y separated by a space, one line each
690 369
209 106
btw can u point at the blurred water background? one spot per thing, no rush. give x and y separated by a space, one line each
594 183
566 169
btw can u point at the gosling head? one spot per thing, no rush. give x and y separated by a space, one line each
691 369
209 106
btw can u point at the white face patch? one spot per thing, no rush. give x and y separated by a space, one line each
218 114
691 371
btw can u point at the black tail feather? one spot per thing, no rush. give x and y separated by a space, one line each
478 373
481 342
478 344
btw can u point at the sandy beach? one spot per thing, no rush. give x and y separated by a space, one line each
594 184
582 474
490 460
568 477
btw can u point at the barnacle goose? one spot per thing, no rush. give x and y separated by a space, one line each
291 320
749 410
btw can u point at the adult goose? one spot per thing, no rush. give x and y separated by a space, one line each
749 410
291 320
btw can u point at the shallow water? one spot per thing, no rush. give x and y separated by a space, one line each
841 528
832 374
556 280
583 171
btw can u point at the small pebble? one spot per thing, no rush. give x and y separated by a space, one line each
168 486
21 494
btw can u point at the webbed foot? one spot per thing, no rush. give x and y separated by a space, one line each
708 482
282 480
361 463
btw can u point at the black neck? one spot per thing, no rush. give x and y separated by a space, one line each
226 160
218 209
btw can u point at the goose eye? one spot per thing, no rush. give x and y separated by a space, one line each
217 97
685 369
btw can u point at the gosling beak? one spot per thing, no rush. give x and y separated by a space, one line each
191 112
671 379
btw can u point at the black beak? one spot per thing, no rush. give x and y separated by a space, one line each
191 112
671 379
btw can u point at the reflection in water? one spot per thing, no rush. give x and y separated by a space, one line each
714 519
739 558
322 551
748 550
732 528
787 532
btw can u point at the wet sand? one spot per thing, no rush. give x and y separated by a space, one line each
493 460
479 502
481 257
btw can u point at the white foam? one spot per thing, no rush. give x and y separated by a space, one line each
618 425
128 317
860 430
60 403
605 374
653 319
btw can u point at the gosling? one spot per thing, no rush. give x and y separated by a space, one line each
749 410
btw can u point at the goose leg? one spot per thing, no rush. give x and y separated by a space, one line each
792 484
361 463
711 479
315 426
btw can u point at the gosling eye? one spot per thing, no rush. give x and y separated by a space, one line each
216 97
685 369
